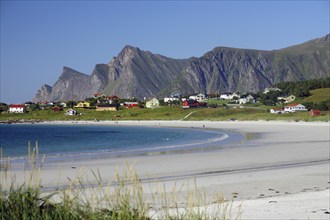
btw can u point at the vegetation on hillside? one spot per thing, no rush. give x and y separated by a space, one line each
302 89
222 113
314 94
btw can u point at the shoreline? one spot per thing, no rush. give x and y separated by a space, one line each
287 163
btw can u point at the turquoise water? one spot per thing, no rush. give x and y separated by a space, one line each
61 142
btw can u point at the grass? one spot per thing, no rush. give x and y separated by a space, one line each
318 95
249 112
121 198
252 114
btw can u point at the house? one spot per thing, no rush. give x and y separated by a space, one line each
57 109
171 99
63 104
113 99
131 104
246 99
314 112
17 108
107 107
190 103
71 112
45 105
200 97
228 96
294 108
83 105
277 110
287 99
153 103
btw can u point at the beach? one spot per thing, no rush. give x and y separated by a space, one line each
280 171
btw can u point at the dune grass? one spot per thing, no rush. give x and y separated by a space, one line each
121 198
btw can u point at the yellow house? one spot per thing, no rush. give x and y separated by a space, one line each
83 105
106 107
287 99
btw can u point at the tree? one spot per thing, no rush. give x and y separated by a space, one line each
161 102
323 106
309 105
92 101
3 107
301 91
141 104
70 104
33 107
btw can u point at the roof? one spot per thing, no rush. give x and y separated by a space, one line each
294 105
191 101
17 106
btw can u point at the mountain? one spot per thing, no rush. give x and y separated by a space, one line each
138 73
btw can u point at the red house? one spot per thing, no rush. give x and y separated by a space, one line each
190 103
17 108
131 104
314 112
113 99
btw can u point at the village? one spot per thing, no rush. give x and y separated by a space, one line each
102 102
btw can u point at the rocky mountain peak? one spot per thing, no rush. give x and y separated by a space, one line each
43 93
138 73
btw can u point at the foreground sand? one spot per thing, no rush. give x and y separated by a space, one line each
281 170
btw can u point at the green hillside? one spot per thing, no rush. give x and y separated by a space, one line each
318 95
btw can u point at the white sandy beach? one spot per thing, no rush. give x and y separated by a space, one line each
282 172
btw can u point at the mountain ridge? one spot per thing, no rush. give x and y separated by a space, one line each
138 73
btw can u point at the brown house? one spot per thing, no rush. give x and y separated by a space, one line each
57 109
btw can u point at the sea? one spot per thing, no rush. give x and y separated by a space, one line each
76 142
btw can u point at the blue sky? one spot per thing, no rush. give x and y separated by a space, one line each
38 38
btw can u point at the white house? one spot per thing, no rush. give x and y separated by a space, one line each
228 96
246 98
71 112
153 103
171 99
17 108
200 97
277 110
294 108
63 104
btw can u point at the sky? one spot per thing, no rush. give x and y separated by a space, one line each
39 38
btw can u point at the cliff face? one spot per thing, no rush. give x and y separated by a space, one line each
137 73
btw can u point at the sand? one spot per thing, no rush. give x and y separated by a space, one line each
280 171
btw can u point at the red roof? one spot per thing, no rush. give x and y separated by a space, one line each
17 106
113 97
